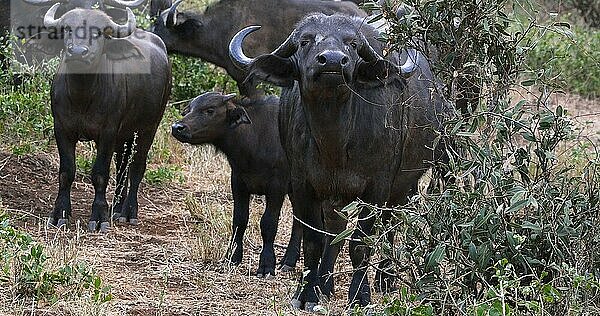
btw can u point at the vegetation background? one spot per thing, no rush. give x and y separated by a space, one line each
514 233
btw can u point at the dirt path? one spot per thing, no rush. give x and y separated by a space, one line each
170 264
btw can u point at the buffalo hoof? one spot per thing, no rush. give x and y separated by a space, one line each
92 226
104 227
122 220
62 222
268 276
116 216
310 306
296 304
285 268
133 221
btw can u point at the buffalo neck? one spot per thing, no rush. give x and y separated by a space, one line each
234 143
330 115
81 84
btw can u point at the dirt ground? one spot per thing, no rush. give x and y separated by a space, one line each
171 263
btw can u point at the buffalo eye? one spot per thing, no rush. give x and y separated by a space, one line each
304 43
209 111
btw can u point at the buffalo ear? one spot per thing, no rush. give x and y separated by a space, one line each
274 69
118 49
376 73
237 116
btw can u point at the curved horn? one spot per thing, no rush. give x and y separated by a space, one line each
49 20
411 63
288 48
124 30
123 3
236 53
367 52
40 2
172 16
228 97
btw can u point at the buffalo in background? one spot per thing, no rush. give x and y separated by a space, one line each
207 35
34 42
112 87
353 125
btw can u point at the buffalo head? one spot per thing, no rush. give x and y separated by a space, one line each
89 34
208 117
179 30
323 51
88 4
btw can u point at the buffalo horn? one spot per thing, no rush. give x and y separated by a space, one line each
239 59
125 29
40 2
123 3
170 21
370 55
411 63
49 20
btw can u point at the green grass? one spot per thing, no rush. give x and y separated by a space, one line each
572 59
28 274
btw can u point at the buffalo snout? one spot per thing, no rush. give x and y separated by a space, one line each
332 58
77 51
181 132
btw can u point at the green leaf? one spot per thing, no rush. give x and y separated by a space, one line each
528 136
518 205
562 24
341 236
528 82
436 256
532 226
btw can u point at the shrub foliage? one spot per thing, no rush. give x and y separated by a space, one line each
512 226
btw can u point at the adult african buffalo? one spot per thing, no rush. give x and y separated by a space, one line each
207 35
111 87
247 132
34 41
353 125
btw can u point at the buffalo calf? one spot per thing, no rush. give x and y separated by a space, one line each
247 132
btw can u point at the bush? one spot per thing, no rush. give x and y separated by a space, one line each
512 226
25 116
572 58
25 274
192 77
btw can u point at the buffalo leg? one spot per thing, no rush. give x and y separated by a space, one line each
359 292
66 176
129 212
307 209
100 177
292 252
268 230
333 224
384 276
121 161
241 209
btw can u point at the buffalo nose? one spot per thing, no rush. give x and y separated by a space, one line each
331 57
77 50
178 128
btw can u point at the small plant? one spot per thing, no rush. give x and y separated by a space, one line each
25 273
163 175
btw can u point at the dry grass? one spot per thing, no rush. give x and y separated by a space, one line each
172 263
